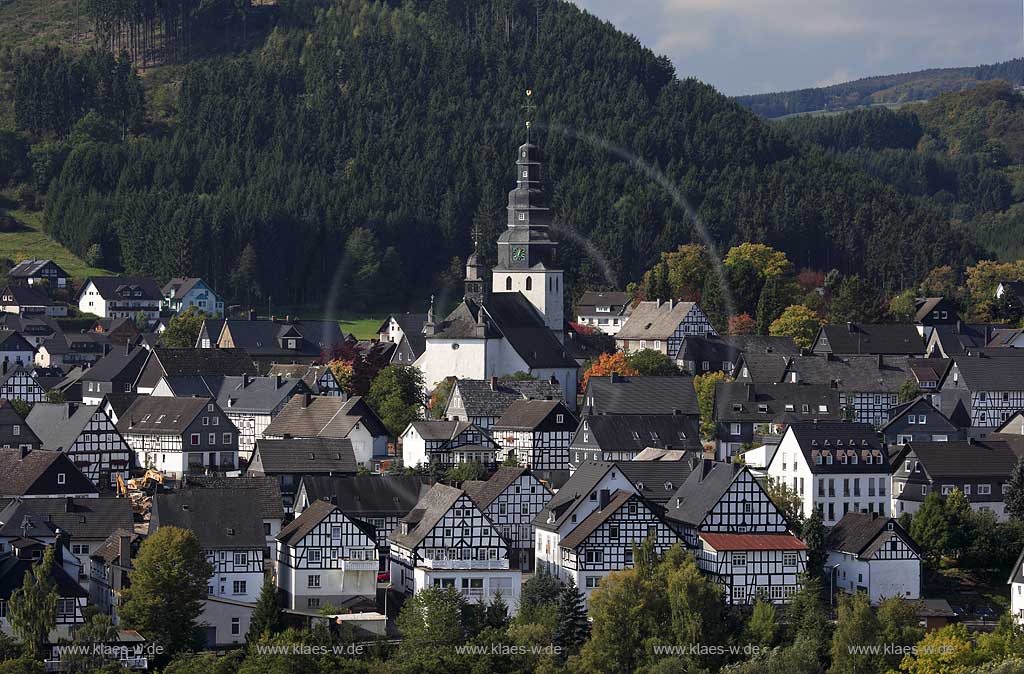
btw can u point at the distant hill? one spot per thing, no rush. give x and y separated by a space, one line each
920 85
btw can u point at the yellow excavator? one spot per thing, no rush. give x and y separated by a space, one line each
122 490
147 482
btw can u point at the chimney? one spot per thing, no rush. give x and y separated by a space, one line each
278 381
59 541
670 302
252 315
24 452
306 399
603 499
850 328
874 515
970 440
494 383
124 549
614 377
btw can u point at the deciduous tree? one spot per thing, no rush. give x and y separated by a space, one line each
608 364
798 322
396 395
32 613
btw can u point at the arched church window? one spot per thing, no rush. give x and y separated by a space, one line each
508 283
529 283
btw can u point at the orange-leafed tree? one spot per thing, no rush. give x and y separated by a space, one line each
742 324
608 363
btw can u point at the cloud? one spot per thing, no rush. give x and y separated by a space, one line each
739 45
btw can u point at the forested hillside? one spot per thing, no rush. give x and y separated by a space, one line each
962 151
919 85
361 143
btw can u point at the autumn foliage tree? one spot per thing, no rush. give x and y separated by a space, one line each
608 364
742 324
798 322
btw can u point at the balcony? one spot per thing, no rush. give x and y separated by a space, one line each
498 564
360 565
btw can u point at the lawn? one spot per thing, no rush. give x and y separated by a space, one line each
363 326
32 242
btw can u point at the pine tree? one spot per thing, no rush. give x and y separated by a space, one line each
33 608
761 627
1015 492
712 299
572 626
496 614
769 305
813 534
266 617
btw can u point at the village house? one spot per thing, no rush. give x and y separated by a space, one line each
71 598
447 541
42 473
326 558
306 416
979 469
446 443
18 383
14 432
918 421
232 540
67 349
858 339
120 297
988 385
318 378
537 434
116 372
251 403
261 491
511 499
873 554
110 564
483 401
35 329
741 539
604 311
405 331
622 437
616 394
30 301
180 294
43 273
189 362
87 435
287 460
662 326
835 467
180 436
273 341
15 350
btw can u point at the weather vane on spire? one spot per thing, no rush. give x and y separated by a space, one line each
529 107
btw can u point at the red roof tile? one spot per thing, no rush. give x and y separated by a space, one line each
722 542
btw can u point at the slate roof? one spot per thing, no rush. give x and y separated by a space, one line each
437 429
260 395
309 373
81 518
654 320
526 415
263 337
117 287
761 343
409 323
22 476
32 326
161 416
990 372
58 425
594 520
62 343
698 348
29 296
897 413
703 488
120 364
237 525
639 431
640 395
839 437
783 402
9 418
13 570
484 398
861 534
522 326
29 268
110 549
849 373
164 362
593 298
266 491
657 481
324 416
304 455
428 512
369 495
582 481
180 286
955 339
880 338
12 341
483 492
959 458
312 516
119 402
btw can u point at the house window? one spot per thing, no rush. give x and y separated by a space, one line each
335 535
595 556
212 438
227 438
16 430
739 559
238 587
735 429
312 602
195 439
592 582
314 557
66 607
236 627
789 559
613 533
239 559
313 581
984 489
62 478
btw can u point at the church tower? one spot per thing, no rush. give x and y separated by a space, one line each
526 253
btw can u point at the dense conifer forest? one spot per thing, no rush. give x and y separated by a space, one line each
359 144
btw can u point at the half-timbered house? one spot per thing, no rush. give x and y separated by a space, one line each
71 598
326 558
186 362
483 401
17 383
288 460
319 379
307 416
87 435
836 467
621 437
873 554
662 326
511 499
741 539
230 532
446 443
110 564
42 473
537 433
988 384
39 272
180 436
447 541
262 493
114 373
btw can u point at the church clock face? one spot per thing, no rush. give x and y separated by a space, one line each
519 254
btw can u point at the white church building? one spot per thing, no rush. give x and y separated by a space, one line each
512 322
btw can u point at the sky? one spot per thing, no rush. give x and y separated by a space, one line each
756 46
